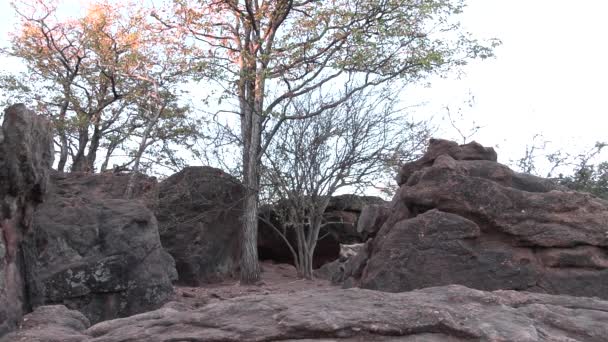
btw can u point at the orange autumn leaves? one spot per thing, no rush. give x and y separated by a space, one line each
118 38
98 71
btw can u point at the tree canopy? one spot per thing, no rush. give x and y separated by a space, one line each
89 74
115 73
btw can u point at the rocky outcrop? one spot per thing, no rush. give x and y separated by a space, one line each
371 219
451 313
199 215
96 252
466 219
109 185
341 215
348 268
439 147
26 155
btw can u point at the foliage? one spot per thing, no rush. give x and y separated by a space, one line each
90 73
589 179
580 171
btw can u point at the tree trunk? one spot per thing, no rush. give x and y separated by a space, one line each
250 268
63 153
79 160
93 147
307 254
61 127
143 144
300 267
106 160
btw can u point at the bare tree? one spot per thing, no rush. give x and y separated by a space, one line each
343 148
269 53
456 119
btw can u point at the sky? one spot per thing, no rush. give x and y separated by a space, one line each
549 76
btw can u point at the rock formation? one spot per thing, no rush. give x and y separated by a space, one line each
199 215
462 218
26 155
70 238
345 211
348 268
94 251
451 313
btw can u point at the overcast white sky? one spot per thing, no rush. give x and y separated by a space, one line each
549 76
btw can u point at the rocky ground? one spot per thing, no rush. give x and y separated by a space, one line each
438 314
276 279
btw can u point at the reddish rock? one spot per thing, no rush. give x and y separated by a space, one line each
438 147
437 248
348 269
52 323
199 215
374 216
450 313
479 224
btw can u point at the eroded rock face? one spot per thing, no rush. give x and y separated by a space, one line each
199 215
108 185
346 211
51 323
95 252
478 223
450 313
438 147
26 155
372 218
347 269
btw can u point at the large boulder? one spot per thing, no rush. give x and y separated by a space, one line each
451 313
199 215
477 223
26 155
96 252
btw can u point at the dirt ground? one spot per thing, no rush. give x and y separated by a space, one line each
276 278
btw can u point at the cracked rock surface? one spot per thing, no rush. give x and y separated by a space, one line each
95 252
460 217
449 313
